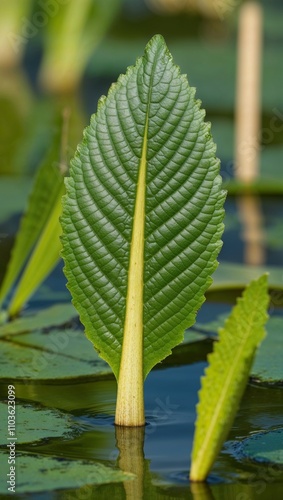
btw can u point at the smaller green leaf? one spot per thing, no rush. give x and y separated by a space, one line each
264 447
37 473
45 318
226 376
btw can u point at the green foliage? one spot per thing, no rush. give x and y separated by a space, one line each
71 37
227 374
12 15
38 235
35 423
152 108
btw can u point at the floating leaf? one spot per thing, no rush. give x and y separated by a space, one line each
264 447
146 144
19 362
233 276
35 423
69 342
267 367
226 376
37 473
45 318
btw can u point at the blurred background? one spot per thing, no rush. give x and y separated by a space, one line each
58 55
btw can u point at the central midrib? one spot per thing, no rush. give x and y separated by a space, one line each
130 382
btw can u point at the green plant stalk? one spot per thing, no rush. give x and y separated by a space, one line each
130 398
43 259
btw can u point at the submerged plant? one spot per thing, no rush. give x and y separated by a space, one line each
227 374
142 221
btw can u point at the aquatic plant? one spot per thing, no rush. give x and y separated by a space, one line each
142 221
37 245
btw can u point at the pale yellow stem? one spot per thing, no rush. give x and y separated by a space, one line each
130 400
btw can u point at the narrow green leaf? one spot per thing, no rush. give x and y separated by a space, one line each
142 218
48 183
227 374
43 259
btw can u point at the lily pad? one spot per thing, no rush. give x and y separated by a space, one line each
46 318
235 276
72 343
18 362
36 473
268 366
34 423
191 336
264 447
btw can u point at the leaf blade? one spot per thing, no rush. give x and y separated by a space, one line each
101 197
227 374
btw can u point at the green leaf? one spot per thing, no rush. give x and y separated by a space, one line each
268 366
142 219
148 149
60 355
34 423
233 276
264 447
43 259
226 376
80 30
35 473
45 318
46 189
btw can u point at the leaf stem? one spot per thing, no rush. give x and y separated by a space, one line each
130 400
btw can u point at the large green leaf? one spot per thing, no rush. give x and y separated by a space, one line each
143 205
227 374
